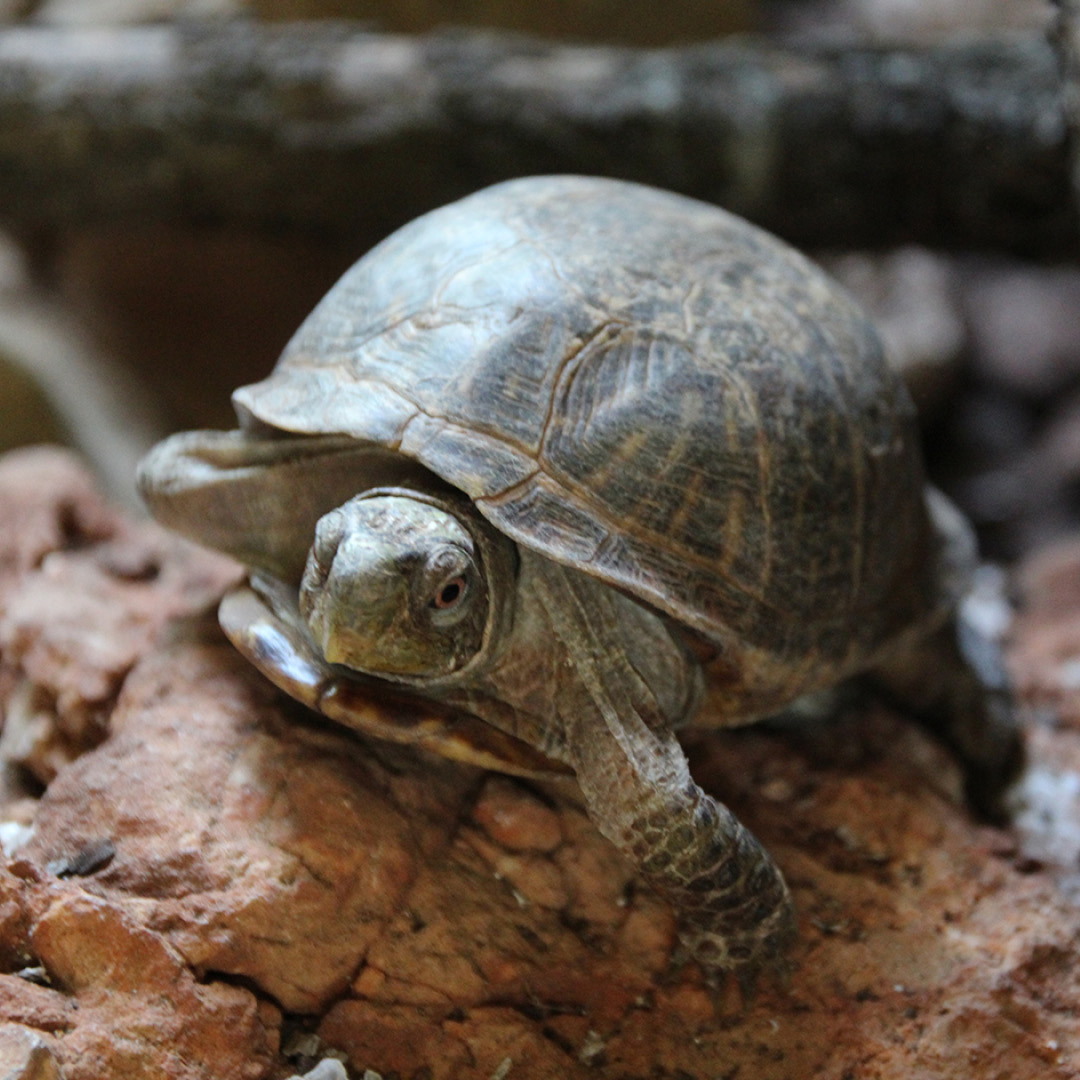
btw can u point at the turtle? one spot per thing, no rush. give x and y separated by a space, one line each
561 460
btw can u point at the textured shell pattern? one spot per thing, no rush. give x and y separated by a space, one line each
641 386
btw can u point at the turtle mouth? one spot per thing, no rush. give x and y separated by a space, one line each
261 618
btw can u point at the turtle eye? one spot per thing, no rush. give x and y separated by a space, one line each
444 589
450 593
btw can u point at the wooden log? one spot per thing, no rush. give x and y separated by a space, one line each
1069 44
328 128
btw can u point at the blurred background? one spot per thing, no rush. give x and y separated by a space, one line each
181 180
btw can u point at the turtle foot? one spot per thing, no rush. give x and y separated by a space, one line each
760 954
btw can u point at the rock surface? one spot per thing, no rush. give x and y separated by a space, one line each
214 883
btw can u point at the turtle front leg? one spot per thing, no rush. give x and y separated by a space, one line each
735 911
623 682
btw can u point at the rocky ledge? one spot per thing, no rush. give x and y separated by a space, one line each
202 880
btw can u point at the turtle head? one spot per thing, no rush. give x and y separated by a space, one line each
405 586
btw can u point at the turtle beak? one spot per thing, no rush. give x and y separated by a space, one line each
353 604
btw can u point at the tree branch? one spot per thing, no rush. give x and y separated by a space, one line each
322 127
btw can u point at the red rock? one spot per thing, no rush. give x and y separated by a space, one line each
269 851
25 1055
141 1008
83 593
48 503
218 863
25 1002
516 821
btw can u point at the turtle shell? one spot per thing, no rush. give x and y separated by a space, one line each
645 388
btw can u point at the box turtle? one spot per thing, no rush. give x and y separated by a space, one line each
550 454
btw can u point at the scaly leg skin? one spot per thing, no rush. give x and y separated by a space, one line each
955 680
734 909
735 912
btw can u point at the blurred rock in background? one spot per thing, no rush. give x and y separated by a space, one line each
1008 448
